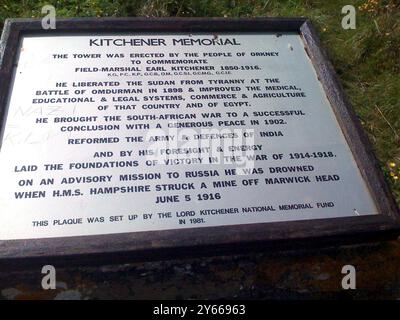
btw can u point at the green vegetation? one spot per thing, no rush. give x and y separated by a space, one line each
367 59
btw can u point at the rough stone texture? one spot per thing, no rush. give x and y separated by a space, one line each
68 295
279 275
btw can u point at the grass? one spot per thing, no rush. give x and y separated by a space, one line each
367 59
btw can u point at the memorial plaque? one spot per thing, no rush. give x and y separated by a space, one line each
178 136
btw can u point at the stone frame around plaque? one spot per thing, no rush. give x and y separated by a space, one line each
150 245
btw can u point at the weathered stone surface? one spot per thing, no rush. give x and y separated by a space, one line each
279 275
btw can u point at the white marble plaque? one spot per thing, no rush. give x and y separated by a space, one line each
136 132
